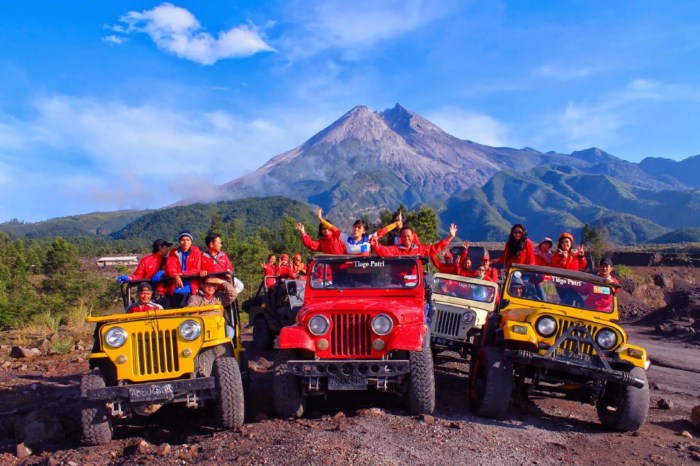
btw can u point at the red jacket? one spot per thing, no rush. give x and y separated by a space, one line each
600 301
525 256
193 264
443 267
148 266
285 271
426 250
327 245
216 262
542 258
269 271
138 307
570 261
491 275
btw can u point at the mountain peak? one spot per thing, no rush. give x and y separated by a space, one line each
359 123
404 121
593 155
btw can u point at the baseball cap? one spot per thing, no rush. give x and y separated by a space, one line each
144 286
160 242
606 261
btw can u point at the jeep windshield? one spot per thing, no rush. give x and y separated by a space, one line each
464 290
365 272
560 289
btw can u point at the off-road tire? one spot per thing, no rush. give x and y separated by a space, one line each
230 407
421 381
624 407
490 383
95 423
287 397
262 335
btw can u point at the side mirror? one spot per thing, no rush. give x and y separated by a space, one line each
292 288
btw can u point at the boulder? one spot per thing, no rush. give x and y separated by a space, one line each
23 452
24 352
695 416
39 427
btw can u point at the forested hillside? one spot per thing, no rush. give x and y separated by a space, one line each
42 280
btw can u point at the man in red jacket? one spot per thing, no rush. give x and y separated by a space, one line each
214 259
151 267
490 273
600 298
144 303
186 261
406 247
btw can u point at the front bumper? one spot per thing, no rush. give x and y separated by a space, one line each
572 367
348 374
151 392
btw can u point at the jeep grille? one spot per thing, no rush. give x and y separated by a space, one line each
564 325
446 323
155 352
350 335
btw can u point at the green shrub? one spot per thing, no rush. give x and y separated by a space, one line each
62 345
623 271
47 320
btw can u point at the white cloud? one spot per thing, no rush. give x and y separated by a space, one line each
78 155
177 31
471 126
357 24
114 39
600 122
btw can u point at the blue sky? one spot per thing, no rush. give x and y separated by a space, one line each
135 104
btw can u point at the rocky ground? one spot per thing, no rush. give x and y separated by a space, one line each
39 406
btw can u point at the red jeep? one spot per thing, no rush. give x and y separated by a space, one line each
362 325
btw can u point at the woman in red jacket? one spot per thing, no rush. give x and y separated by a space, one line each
543 253
566 256
328 241
518 249
284 269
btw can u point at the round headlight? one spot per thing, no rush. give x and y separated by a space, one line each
606 338
318 325
382 324
115 337
468 317
546 326
190 330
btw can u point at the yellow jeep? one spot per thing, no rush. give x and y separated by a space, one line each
557 333
144 360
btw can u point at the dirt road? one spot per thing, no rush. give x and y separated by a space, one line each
38 403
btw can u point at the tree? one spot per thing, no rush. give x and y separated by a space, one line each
592 238
425 223
61 258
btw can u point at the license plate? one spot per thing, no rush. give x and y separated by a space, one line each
347 382
573 355
151 392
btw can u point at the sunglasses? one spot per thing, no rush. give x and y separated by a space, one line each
517 231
